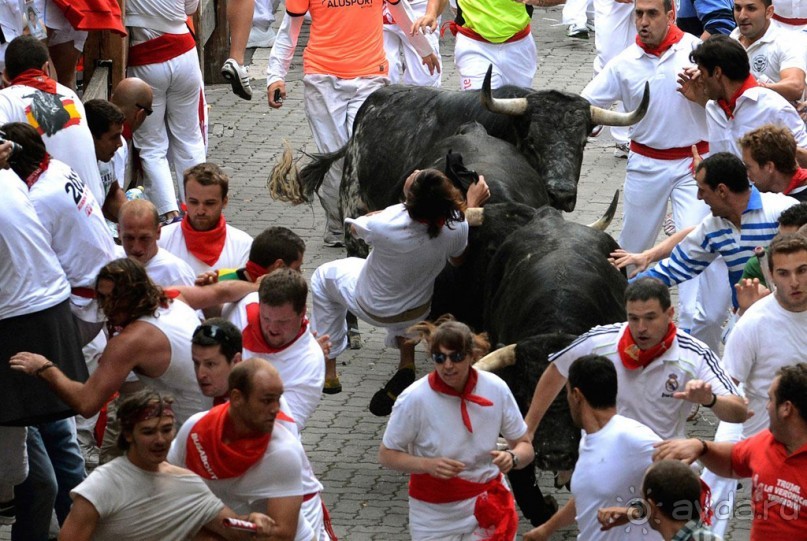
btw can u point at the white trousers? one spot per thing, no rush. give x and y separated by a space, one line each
649 184
577 13
514 63
405 64
615 32
331 105
723 489
178 125
333 293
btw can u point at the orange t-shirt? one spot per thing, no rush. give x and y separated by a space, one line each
346 37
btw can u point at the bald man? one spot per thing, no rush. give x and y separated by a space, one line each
134 97
138 229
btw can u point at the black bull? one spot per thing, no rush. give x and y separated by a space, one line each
397 126
545 281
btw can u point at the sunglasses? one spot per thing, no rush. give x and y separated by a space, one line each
213 332
148 110
456 357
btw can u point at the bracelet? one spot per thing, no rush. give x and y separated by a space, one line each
713 402
42 368
513 456
704 448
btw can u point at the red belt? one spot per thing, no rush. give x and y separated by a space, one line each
468 33
83 292
677 153
786 20
161 49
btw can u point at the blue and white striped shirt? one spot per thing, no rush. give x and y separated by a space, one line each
716 236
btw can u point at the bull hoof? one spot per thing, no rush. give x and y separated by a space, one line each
382 402
354 338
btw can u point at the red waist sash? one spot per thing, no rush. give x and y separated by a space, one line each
494 510
786 20
677 153
468 33
161 49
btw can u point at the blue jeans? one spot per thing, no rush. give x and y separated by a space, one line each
55 468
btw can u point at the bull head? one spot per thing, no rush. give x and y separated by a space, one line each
552 128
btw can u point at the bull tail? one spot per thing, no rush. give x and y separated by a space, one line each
284 180
603 223
313 174
290 184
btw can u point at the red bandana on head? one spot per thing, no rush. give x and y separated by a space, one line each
439 386
674 35
633 357
799 178
36 79
209 457
728 106
253 337
206 246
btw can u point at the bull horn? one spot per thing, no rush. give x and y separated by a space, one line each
501 358
603 223
475 216
509 106
605 117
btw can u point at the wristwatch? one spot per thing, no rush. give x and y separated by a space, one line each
513 456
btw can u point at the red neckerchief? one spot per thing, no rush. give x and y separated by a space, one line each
633 357
439 386
127 132
208 456
799 178
206 246
255 271
728 106
36 79
674 35
253 337
31 179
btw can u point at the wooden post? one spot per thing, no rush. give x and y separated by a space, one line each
213 38
110 50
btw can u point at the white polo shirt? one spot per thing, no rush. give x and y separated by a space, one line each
775 51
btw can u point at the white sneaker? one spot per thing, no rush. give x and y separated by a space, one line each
621 150
576 32
260 38
238 77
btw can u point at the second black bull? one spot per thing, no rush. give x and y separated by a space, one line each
545 281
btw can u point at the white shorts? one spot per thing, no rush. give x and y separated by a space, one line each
514 63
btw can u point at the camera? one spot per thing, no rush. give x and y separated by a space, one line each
16 148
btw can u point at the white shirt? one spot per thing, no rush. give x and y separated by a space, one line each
609 473
755 107
276 475
645 395
790 9
429 424
81 240
775 51
61 121
765 339
31 278
135 504
177 322
301 365
671 120
167 270
401 268
234 254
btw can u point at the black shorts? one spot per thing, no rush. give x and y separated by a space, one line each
26 400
